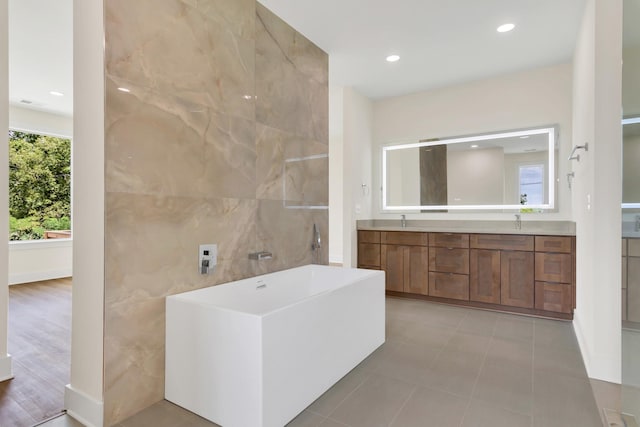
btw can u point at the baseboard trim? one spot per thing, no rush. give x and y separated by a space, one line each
6 368
83 408
38 276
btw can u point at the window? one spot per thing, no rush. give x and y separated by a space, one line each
531 184
39 186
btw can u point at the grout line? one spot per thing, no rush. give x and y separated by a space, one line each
475 384
393 420
346 397
533 369
335 421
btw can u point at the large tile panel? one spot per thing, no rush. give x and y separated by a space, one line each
152 252
291 168
154 146
202 51
290 96
288 234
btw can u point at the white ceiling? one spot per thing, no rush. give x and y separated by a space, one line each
441 42
41 54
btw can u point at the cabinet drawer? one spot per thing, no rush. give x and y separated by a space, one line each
553 244
404 238
449 285
368 255
514 242
553 268
449 240
554 297
449 260
365 236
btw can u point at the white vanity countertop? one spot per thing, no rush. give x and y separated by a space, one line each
548 228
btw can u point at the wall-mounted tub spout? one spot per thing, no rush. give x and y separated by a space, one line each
260 255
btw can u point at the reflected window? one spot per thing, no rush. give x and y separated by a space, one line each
531 184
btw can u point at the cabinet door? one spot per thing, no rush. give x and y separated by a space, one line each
484 277
368 255
392 262
516 279
416 271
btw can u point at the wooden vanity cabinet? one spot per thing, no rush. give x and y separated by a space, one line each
404 257
517 273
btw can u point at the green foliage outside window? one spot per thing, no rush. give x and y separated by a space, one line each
39 185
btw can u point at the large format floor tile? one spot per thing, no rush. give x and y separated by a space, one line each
448 367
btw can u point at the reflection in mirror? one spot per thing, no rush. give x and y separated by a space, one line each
630 157
502 170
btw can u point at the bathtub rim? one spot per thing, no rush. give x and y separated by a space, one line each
208 304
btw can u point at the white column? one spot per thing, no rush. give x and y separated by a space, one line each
84 395
5 359
597 193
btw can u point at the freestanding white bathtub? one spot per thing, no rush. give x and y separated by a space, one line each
256 352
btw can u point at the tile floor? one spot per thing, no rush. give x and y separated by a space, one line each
447 366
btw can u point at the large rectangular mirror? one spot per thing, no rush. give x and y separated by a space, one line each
500 170
630 156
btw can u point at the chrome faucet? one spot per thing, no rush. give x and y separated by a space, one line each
403 221
260 255
518 224
316 244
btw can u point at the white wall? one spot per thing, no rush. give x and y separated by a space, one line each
5 360
336 175
531 98
598 188
35 260
84 396
357 120
41 122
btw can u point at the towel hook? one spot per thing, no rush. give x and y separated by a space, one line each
573 155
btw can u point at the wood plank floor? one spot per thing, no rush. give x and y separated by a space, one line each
40 345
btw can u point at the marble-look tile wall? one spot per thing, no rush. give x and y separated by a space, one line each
220 138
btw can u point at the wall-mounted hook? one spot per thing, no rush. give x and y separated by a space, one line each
573 155
570 177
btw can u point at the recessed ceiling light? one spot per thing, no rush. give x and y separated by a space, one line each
505 28
56 93
524 137
475 146
124 89
247 97
393 58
